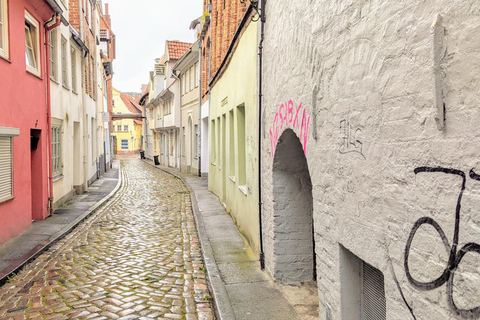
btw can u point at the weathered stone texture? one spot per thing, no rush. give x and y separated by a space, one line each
366 75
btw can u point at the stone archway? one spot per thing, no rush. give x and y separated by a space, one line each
293 247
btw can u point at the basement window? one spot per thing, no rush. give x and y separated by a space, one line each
362 289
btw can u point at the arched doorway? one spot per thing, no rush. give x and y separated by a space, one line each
294 249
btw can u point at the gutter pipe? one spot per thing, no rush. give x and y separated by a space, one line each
57 17
199 151
260 58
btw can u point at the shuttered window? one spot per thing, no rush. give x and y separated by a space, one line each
373 295
6 168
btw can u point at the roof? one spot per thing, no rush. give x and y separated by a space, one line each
138 122
176 49
130 103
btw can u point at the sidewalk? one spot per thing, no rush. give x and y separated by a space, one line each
17 252
240 289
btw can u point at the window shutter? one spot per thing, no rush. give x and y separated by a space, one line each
374 306
5 168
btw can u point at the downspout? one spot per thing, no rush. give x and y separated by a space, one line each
199 151
58 19
260 52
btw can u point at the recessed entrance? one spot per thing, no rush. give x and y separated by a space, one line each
294 249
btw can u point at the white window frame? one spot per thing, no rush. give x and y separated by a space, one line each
122 144
64 63
52 43
4 52
57 166
125 127
32 35
73 64
6 135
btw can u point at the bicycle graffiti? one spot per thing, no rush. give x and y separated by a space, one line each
455 256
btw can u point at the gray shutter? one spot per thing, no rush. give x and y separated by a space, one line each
373 306
5 168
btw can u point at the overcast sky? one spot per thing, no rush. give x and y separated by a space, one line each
141 28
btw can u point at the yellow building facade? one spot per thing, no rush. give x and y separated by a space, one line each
127 132
233 172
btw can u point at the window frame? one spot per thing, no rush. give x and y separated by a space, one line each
122 144
73 65
57 166
125 127
33 26
9 133
4 45
64 62
52 55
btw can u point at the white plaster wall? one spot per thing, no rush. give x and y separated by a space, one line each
66 106
364 72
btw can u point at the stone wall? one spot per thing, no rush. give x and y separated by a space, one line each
384 98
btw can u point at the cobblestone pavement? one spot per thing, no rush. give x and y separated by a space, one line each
136 258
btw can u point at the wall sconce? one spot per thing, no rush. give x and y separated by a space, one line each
259 10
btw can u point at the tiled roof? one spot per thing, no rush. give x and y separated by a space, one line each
131 103
176 49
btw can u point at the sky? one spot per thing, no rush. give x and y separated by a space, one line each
141 28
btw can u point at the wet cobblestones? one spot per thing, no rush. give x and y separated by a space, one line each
137 258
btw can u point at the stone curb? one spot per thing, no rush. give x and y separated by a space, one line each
35 252
222 307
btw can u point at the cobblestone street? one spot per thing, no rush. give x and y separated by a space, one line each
138 257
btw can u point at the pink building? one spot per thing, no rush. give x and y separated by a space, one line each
25 142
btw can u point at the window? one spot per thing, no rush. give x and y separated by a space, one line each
183 141
6 162
52 41
231 144
64 63
187 80
212 143
32 46
3 29
191 78
124 144
92 76
56 149
125 127
73 62
195 143
197 75
241 156
362 288
119 127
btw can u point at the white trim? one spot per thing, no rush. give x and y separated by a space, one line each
35 43
4 53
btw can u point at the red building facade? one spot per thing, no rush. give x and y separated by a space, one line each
24 113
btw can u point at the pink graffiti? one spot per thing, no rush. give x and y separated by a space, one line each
286 117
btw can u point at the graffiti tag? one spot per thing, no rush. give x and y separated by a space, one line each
350 142
455 256
289 116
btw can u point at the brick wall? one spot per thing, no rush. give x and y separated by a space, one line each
360 84
225 18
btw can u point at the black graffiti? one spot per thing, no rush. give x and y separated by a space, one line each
455 256
350 143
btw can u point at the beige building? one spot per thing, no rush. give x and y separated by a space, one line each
233 172
187 69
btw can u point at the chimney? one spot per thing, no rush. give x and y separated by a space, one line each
106 9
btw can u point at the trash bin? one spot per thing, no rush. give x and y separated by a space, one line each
155 158
142 154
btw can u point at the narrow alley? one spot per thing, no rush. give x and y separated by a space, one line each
137 257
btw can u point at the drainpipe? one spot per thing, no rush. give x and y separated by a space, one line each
260 51
58 19
200 109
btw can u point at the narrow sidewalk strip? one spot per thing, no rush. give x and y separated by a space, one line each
19 251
